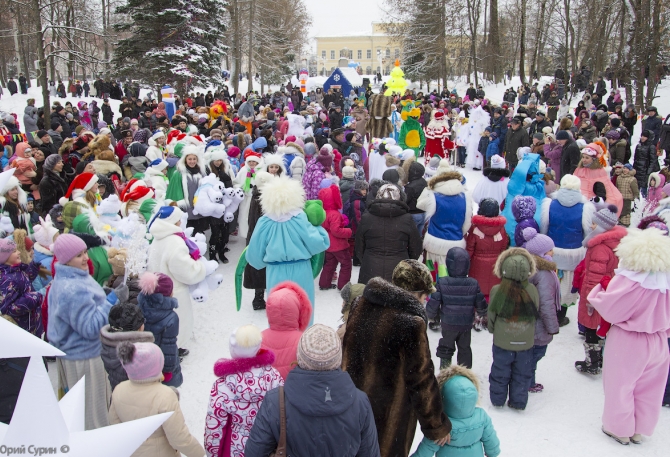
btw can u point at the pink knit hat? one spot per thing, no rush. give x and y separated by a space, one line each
7 248
67 247
143 362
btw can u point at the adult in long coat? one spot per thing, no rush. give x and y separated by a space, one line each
387 355
386 235
284 240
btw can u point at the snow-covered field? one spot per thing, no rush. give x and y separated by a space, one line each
564 420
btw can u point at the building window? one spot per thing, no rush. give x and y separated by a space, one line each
397 53
388 53
323 54
369 54
388 70
359 54
368 70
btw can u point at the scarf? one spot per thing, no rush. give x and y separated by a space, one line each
193 250
251 174
512 302
192 170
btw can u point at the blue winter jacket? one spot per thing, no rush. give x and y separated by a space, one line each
472 432
457 296
493 148
325 415
163 322
78 309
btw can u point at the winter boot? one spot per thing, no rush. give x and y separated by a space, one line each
212 253
222 256
621 439
636 439
593 360
259 300
435 325
564 321
444 363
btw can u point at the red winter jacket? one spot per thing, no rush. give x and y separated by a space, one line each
334 224
485 241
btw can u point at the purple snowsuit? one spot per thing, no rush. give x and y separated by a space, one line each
19 299
523 209
311 180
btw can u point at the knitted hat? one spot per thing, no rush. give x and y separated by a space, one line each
80 185
125 317
155 283
389 192
571 182
413 276
325 156
245 342
493 135
158 134
51 161
612 135
488 207
55 125
348 172
628 166
562 135
606 217
497 162
7 248
538 136
233 151
310 149
536 243
143 362
523 207
361 185
589 150
67 247
319 349
41 133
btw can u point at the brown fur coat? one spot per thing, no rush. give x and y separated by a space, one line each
387 355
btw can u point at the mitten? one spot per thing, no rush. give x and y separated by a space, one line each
605 281
345 221
122 293
167 377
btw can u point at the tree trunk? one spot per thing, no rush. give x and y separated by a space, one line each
237 49
522 44
41 57
494 41
653 50
250 78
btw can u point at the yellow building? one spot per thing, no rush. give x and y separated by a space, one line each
375 51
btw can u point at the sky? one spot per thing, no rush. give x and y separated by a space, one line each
343 16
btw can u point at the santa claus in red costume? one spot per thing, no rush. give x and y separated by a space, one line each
437 137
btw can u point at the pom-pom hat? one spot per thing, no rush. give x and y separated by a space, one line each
320 349
245 342
143 362
80 185
67 247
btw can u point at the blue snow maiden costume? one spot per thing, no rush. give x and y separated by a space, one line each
284 240
526 180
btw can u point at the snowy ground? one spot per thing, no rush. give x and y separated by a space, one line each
564 420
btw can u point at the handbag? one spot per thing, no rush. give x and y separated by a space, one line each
280 451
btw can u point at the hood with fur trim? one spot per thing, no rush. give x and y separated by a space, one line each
282 197
459 389
658 178
331 198
543 264
288 307
383 293
644 251
225 367
293 148
196 150
13 182
448 183
274 159
497 270
391 161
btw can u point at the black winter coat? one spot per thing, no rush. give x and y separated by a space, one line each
664 140
67 131
653 124
645 161
514 140
570 156
322 408
163 322
386 235
416 184
12 87
457 295
253 278
12 372
107 114
110 340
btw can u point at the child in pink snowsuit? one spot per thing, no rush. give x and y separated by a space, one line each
636 358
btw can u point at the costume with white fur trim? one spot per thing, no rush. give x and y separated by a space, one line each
450 214
17 219
200 291
495 184
155 179
154 151
284 240
437 137
183 184
246 179
132 196
169 254
294 160
636 361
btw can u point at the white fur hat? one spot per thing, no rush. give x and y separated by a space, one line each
543 167
581 143
216 153
571 182
245 342
443 167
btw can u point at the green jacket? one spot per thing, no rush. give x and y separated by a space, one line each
102 270
510 335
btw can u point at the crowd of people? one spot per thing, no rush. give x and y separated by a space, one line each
566 213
